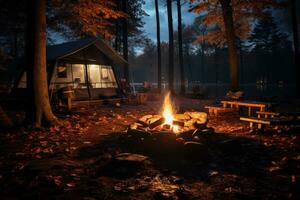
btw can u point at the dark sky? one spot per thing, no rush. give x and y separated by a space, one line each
150 21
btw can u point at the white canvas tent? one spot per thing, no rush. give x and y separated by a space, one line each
87 65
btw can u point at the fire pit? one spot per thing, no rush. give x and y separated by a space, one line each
187 125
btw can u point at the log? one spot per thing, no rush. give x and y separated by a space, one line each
157 123
178 123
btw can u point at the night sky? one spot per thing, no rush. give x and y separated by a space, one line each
150 23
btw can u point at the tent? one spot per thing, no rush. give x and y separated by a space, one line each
86 65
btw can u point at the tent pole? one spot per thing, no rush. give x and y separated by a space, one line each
86 74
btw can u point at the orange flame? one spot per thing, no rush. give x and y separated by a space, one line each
168 110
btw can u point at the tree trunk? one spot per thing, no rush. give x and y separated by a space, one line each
158 47
40 85
29 57
5 121
125 40
231 41
118 29
182 81
296 44
171 47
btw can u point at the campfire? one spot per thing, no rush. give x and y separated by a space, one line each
187 123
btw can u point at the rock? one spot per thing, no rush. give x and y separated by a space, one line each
187 135
208 131
195 150
231 146
129 157
191 143
161 136
190 123
125 165
180 140
137 134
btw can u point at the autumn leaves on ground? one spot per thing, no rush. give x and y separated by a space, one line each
84 159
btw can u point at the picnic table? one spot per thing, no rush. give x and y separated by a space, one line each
262 106
265 114
265 118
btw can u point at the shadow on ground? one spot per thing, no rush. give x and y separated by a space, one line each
217 166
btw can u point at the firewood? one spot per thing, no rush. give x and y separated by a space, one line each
144 124
178 123
157 123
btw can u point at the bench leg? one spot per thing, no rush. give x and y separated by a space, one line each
216 112
251 125
69 103
249 111
259 126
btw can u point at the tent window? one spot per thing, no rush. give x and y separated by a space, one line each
101 76
104 74
79 76
62 71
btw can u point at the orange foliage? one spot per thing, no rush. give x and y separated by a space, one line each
94 17
244 14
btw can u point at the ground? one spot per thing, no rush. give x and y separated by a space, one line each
78 160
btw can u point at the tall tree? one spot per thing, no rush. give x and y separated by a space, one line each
171 47
158 46
230 19
296 43
231 42
41 98
180 52
125 39
269 44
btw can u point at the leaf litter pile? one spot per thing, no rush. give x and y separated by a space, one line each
90 156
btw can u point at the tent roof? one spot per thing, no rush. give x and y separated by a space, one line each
58 51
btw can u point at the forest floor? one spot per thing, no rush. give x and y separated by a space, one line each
77 159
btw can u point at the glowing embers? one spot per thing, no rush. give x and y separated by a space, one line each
171 122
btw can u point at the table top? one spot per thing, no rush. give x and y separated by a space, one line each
247 103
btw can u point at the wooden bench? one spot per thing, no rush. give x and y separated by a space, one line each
261 122
214 110
262 106
266 114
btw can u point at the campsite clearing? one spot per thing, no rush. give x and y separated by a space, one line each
79 159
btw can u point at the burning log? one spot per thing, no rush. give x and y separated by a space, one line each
156 122
178 123
181 117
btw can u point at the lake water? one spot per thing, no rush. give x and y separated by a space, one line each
212 90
